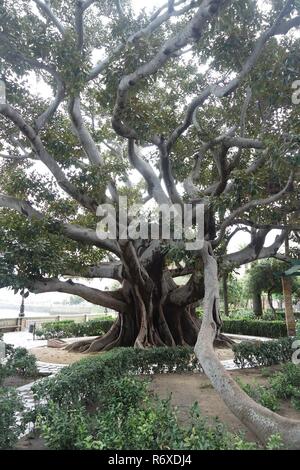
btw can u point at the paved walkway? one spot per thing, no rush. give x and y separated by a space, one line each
247 338
23 339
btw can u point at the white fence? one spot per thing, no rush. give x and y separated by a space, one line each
17 324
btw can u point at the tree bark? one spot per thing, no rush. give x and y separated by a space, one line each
263 422
288 305
144 326
257 304
151 318
225 294
270 301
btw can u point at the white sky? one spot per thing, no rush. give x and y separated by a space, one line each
240 240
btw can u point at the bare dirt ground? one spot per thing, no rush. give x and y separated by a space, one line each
186 389
57 356
60 356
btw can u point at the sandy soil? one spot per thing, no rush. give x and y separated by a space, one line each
60 356
186 389
57 356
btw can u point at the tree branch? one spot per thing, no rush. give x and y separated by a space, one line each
221 91
87 141
196 102
191 33
72 231
45 8
11 114
250 205
167 174
255 250
79 10
145 169
111 270
95 296
154 24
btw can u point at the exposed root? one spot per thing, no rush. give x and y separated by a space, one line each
223 341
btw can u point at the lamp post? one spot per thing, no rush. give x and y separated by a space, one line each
22 310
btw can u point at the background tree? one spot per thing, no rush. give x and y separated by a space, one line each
266 277
215 125
235 292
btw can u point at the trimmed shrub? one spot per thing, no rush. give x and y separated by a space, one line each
124 413
263 395
70 329
283 385
267 329
286 384
83 381
3 373
263 354
130 418
21 362
10 429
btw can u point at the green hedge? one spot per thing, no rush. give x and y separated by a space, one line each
82 381
70 329
124 414
10 427
267 329
263 354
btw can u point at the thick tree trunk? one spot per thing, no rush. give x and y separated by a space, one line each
288 306
260 420
257 304
152 319
270 301
143 328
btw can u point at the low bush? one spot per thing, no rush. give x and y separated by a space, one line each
263 395
263 354
286 384
70 329
268 329
21 362
10 428
100 404
3 373
283 385
129 418
83 381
